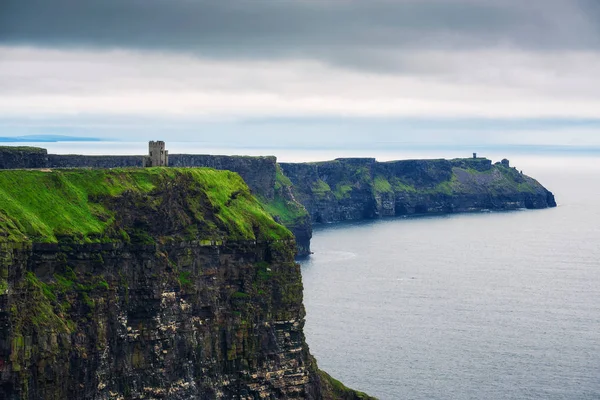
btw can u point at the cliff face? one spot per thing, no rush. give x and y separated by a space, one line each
22 157
351 189
154 283
81 161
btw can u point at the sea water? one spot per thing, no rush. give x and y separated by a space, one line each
489 305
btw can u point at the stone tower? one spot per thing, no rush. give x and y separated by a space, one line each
158 156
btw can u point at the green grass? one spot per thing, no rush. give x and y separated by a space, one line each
362 175
240 295
382 185
41 312
513 180
235 207
288 212
185 279
320 188
45 204
342 190
335 389
281 206
281 180
400 186
446 187
79 203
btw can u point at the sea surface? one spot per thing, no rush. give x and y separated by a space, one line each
490 305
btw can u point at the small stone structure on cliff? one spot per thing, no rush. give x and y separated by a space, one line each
158 156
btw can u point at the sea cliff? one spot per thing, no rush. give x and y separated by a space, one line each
261 174
300 195
362 188
149 283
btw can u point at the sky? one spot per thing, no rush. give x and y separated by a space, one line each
303 72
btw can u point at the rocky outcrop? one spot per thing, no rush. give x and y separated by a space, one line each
157 284
352 189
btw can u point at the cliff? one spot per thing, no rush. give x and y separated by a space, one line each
149 283
352 189
84 161
261 174
22 157
299 194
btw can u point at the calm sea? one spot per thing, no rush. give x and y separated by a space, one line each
471 306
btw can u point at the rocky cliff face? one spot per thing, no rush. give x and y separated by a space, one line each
82 161
352 189
149 283
22 157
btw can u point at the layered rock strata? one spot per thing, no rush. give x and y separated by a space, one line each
158 283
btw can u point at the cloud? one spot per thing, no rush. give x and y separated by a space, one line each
495 84
351 33
307 59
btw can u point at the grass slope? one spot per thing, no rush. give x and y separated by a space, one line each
82 203
283 206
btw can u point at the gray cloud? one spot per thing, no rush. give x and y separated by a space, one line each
367 34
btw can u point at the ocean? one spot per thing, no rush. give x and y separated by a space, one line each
502 305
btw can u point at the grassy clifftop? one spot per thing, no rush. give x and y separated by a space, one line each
131 204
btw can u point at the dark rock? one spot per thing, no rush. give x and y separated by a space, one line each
22 157
81 161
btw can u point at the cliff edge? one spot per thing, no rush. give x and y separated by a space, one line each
149 283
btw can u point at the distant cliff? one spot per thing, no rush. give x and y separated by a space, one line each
23 157
149 283
359 188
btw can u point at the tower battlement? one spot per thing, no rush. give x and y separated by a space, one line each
158 156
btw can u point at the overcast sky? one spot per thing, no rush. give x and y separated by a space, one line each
485 71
